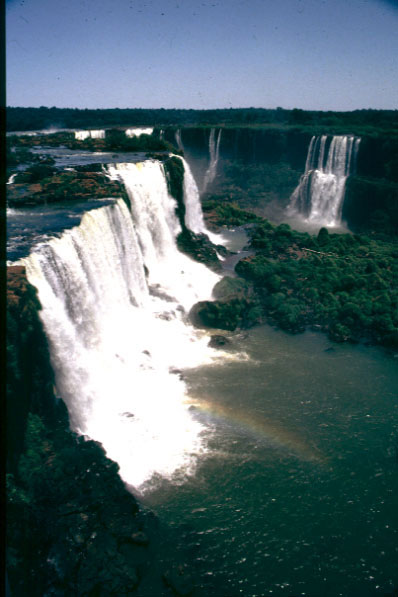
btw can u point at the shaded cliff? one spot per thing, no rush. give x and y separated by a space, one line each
72 526
260 166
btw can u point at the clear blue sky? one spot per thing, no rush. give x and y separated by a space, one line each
310 54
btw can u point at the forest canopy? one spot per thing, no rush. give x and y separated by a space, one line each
26 119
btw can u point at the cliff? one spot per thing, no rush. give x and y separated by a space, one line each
72 526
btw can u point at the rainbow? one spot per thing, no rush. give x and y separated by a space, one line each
259 427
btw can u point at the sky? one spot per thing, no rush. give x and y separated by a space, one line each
309 54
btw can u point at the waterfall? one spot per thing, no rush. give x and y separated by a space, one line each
83 135
319 196
12 178
137 132
179 140
193 210
114 291
97 134
214 152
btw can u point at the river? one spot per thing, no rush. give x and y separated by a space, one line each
298 492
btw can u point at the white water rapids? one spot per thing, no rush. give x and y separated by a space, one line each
114 292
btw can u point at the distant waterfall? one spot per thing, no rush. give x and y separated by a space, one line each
114 291
214 152
11 179
319 196
83 135
178 139
137 132
193 209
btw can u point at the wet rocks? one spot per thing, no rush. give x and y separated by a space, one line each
179 580
200 248
219 341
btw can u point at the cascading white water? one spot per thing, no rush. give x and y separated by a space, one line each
11 179
83 135
193 210
179 140
97 134
214 153
137 132
114 291
320 194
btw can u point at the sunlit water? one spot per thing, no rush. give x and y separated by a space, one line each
297 494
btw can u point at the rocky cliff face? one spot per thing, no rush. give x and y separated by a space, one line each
72 526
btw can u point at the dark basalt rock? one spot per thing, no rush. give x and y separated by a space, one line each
200 248
179 580
72 526
219 341
222 315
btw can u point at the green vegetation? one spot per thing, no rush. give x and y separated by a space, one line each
16 156
236 305
260 183
35 174
219 212
115 140
44 184
371 204
197 246
254 185
25 119
226 314
342 284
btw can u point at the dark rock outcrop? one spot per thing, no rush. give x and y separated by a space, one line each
219 341
72 526
200 248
